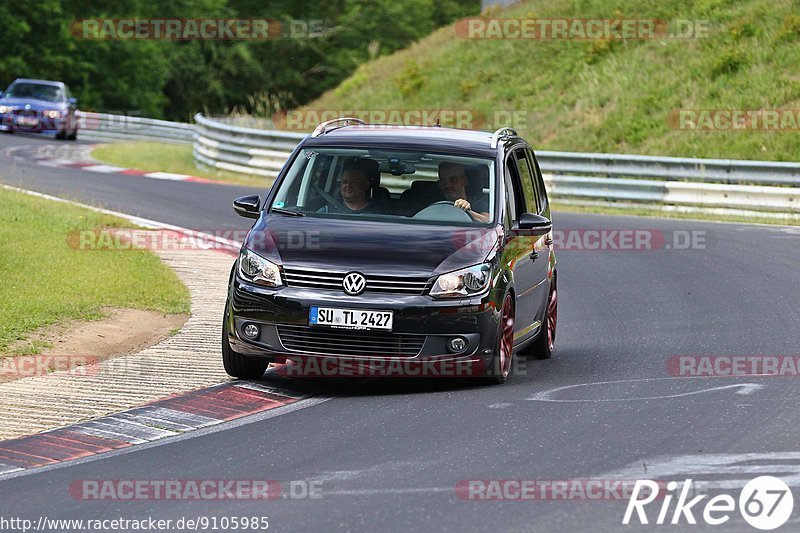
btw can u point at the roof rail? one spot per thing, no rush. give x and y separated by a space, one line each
502 132
323 128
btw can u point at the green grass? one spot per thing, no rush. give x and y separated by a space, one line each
44 281
645 211
167 157
604 96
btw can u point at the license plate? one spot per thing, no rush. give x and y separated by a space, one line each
350 318
27 121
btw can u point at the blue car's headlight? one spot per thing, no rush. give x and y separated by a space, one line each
469 281
51 113
4 109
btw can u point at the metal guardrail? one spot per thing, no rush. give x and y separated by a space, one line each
224 146
110 128
703 170
747 187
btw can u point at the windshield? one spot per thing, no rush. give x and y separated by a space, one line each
38 91
391 185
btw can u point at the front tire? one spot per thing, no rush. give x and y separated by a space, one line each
542 347
503 357
238 365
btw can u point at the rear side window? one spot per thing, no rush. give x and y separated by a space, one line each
541 193
527 180
515 200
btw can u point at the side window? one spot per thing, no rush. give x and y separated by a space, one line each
515 202
541 193
527 181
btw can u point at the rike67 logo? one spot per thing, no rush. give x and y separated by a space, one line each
765 503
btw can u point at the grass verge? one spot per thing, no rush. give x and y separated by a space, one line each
44 281
617 96
168 157
644 211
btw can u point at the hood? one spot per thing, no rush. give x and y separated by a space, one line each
369 247
35 104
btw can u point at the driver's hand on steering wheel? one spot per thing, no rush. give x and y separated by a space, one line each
467 208
462 204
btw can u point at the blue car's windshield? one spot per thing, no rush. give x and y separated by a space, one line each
37 91
390 185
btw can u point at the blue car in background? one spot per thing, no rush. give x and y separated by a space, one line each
39 106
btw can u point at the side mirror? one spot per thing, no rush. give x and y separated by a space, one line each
72 101
247 206
536 224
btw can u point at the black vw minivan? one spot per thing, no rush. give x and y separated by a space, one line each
425 250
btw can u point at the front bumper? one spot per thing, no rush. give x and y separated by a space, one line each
9 122
415 316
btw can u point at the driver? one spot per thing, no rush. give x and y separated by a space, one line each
453 182
356 187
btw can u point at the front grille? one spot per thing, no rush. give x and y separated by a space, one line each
349 343
320 279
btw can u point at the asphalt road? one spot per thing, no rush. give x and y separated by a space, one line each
389 454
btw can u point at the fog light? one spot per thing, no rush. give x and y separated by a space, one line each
457 344
251 331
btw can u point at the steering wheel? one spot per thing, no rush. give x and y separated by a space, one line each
445 211
330 199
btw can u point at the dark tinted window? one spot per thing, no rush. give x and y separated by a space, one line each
526 179
514 196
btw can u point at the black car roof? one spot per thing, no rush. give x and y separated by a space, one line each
428 138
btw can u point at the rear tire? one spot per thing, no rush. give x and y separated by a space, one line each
61 135
238 365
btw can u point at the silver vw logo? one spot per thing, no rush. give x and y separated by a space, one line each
354 283
27 106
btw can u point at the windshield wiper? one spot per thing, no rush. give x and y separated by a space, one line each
288 212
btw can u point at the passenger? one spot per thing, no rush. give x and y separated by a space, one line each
453 184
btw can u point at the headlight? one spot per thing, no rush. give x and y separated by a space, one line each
256 269
5 109
465 282
51 113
